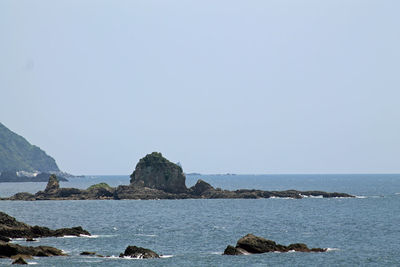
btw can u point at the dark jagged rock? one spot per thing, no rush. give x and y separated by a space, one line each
155 171
19 260
11 228
8 250
139 253
251 244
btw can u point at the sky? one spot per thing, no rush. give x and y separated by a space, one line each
251 87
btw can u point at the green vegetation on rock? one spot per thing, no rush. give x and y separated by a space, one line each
100 185
17 154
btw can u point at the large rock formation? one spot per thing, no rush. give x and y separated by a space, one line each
251 244
139 253
155 171
11 228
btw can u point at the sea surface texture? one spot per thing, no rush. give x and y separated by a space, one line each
363 231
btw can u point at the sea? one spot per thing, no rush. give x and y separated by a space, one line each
361 231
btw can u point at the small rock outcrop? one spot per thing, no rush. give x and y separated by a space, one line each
101 190
155 171
200 188
11 228
88 253
251 244
53 185
139 253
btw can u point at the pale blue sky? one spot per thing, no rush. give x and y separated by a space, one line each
221 86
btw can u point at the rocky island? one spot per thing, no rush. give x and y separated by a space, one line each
155 177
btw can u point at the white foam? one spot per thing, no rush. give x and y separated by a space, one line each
306 196
126 257
149 235
166 256
89 236
217 253
361 197
332 249
32 263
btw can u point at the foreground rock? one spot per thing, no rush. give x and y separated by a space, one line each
139 253
11 228
8 250
251 244
155 177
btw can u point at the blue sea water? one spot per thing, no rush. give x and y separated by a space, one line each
363 231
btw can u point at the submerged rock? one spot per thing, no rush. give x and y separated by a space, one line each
155 171
251 244
139 253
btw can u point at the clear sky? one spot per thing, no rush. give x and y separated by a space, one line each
268 86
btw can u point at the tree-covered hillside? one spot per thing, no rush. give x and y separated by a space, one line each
17 154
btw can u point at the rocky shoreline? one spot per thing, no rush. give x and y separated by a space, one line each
11 228
157 178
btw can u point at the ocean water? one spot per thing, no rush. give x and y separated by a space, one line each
363 231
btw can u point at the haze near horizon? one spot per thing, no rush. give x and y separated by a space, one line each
226 86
